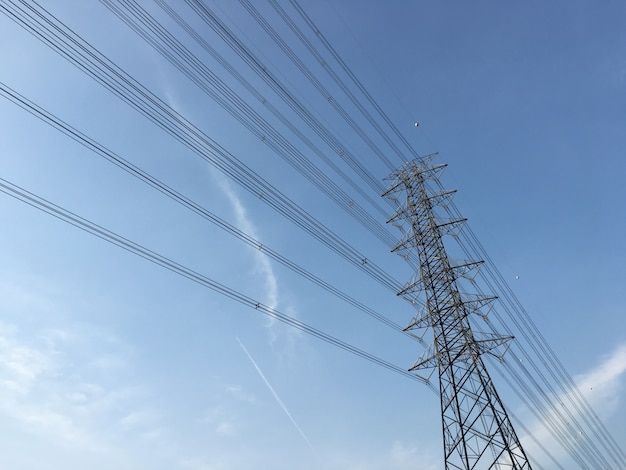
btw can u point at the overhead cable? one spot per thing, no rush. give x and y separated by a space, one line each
60 213
196 208
60 38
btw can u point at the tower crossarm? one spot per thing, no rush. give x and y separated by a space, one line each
466 269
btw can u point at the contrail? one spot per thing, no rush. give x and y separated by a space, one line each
276 397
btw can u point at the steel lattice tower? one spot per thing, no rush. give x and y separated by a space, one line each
477 432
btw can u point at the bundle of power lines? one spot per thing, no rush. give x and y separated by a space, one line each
530 366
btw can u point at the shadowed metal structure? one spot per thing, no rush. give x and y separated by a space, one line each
477 432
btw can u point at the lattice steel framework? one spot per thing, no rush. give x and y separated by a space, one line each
477 431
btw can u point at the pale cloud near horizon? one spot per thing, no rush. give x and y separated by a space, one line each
408 457
601 387
395 455
64 383
38 396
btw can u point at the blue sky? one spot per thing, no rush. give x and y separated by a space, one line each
112 362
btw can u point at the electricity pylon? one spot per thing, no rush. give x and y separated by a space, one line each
477 432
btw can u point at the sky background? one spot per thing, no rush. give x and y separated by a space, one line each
109 361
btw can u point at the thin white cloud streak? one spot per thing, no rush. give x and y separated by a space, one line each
600 386
263 265
262 262
277 398
245 224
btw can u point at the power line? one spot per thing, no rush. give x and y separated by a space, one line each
77 221
127 89
343 86
282 90
196 208
368 97
149 29
527 327
60 38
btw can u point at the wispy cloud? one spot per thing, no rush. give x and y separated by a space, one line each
243 221
601 387
222 420
226 429
136 419
277 398
33 399
405 456
264 269
199 464
240 394
63 382
394 455
263 266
